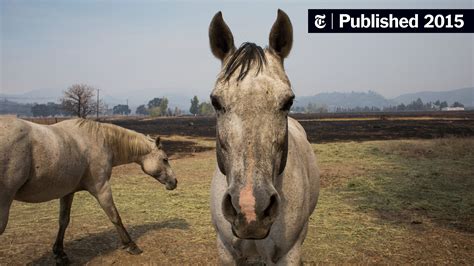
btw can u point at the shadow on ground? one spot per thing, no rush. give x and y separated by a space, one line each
83 250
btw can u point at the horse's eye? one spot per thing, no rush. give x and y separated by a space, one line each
165 160
215 102
287 105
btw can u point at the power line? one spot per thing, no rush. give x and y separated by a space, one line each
98 99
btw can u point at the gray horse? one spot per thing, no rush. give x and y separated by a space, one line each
40 163
266 184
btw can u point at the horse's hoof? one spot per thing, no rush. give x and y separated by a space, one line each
133 249
61 259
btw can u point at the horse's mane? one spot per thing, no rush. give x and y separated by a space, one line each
124 143
243 58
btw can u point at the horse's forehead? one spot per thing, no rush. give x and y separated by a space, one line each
262 88
271 82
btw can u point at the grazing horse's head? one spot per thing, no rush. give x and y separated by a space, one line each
252 98
155 163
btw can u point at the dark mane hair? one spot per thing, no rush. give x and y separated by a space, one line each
243 57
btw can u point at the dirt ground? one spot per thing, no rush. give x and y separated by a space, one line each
397 202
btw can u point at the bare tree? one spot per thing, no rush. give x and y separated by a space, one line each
79 100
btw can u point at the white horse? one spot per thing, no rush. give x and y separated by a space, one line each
266 184
40 163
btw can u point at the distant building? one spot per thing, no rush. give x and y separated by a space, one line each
453 109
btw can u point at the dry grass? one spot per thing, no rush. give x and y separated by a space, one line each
395 202
381 202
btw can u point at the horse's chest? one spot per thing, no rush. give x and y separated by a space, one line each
255 252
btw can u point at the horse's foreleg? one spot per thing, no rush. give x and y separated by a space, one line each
5 204
4 211
104 197
293 257
226 256
64 214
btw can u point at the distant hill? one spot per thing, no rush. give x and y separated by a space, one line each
464 96
345 100
43 95
372 99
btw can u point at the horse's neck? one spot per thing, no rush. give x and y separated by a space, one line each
121 160
123 152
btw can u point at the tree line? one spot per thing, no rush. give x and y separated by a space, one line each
204 108
159 107
80 100
416 105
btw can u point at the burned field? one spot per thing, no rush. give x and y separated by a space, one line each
330 127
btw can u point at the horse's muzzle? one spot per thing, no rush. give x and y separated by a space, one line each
248 226
254 230
172 185
169 181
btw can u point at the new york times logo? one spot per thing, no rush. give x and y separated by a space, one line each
319 21
391 21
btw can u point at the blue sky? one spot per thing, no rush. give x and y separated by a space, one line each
127 46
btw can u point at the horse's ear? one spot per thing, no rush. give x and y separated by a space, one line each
281 35
220 37
158 142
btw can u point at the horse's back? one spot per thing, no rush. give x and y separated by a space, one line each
299 190
302 157
296 129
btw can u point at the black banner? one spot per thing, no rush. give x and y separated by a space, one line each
390 20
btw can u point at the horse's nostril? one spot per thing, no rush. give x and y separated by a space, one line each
228 208
272 208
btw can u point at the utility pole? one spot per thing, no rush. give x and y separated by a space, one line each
127 105
98 103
